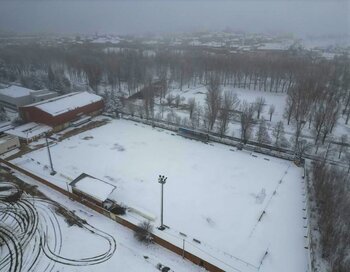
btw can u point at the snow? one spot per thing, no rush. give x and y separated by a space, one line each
5 126
103 40
64 103
29 130
16 91
98 189
274 46
271 98
80 243
213 192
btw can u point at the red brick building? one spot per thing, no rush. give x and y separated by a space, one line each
60 111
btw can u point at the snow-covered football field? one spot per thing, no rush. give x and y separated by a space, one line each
213 193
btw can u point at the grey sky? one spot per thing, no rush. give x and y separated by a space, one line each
308 17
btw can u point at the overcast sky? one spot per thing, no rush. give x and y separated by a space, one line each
307 17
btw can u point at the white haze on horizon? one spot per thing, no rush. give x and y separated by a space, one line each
302 18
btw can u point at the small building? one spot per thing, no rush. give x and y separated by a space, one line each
4 126
8 143
92 189
61 111
14 96
29 132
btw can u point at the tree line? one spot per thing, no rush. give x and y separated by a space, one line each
332 197
60 67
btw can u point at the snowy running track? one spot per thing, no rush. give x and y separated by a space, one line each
32 233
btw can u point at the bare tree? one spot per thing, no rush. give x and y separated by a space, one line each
229 103
169 99
130 108
149 100
191 105
279 134
3 114
347 112
246 120
302 147
177 100
259 105
347 159
271 111
262 135
141 110
332 196
289 108
196 116
213 101
342 143
143 232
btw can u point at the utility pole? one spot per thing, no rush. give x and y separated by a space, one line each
53 172
162 181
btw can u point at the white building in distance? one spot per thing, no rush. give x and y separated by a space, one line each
13 96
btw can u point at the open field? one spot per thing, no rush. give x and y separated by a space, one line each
214 193
43 232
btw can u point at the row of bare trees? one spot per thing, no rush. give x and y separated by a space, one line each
331 186
131 69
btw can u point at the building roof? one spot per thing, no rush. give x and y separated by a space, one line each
96 188
5 126
61 104
16 91
29 130
40 93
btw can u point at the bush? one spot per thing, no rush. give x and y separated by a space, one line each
119 210
143 233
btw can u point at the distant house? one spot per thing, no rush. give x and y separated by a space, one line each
14 97
61 111
92 189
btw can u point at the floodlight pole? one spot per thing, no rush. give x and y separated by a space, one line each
162 181
53 172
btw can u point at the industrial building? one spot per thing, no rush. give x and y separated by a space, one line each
60 112
13 96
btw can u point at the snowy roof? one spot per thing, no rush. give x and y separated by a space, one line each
29 130
16 91
61 104
38 94
94 187
5 126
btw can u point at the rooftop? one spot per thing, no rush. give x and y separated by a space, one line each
16 91
61 104
29 130
94 187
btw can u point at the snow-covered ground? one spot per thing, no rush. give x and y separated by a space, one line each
271 98
214 193
278 100
100 245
